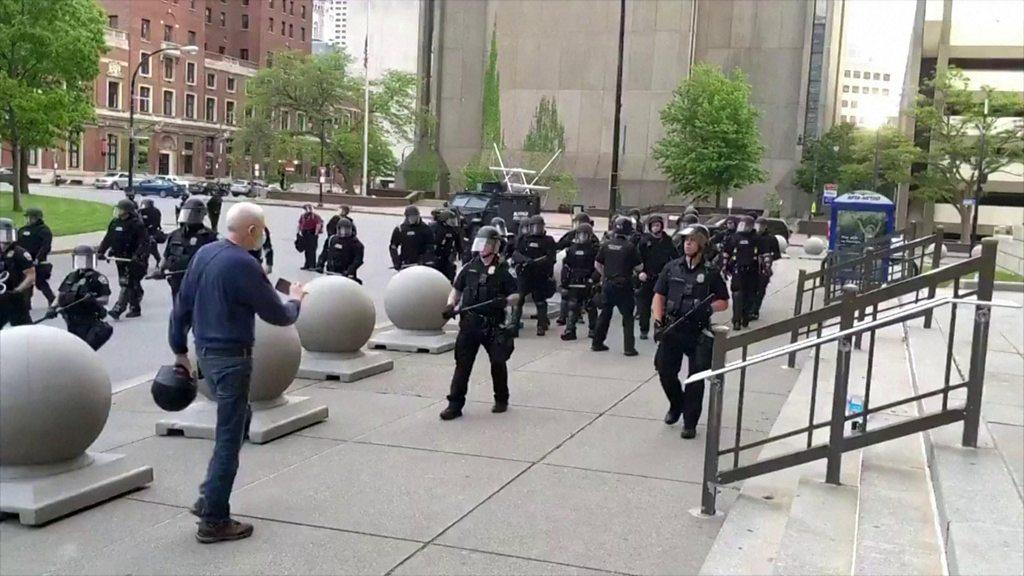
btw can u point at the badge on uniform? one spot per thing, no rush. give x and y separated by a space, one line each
490 271
700 278
118 229
26 233
192 241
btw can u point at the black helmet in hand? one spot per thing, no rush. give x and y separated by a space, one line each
174 388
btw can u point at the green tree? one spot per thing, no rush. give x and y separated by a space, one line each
492 97
546 138
823 157
894 154
967 143
711 143
49 55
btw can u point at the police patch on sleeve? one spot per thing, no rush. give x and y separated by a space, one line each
700 278
27 256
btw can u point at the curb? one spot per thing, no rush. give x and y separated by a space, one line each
998 286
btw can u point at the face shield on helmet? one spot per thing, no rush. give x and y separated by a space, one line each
584 234
8 234
192 212
760 225
536 226
623 226
487 241
744 225
693 239
345 228
83 258
412 215
499 224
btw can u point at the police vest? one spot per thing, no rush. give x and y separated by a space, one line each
686 288
483 283
579 263
340 253
182 246
124 237
619 259
744 250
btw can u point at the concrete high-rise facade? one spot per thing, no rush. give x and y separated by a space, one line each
567 51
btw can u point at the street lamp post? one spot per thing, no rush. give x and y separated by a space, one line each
980 178
174 53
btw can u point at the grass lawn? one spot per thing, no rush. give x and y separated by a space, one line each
64 216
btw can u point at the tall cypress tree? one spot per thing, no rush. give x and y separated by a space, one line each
492 98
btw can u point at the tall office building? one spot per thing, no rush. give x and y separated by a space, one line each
869 91
187 107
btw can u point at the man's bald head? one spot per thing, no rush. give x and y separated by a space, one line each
246 223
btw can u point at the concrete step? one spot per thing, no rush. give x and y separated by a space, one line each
821 530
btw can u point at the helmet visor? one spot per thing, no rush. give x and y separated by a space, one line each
485 246
190 216
8 235
582 238
345 231
742 226
83 261
537 228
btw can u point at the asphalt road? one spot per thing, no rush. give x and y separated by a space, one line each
139 345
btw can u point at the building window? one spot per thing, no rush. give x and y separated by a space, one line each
231 84
223 19
846 73
856 73
112 20
302 11
211 80
846 89
270 27
209 15
33 157
867 75
845 103
302 33
874 90
144 63
300 121
192 4
245 21
144 31
842 118
168 69
222 50
168 33
113 95
145 96
191 37
245 2
190 106
112 162
186 156
211 109
291 7
853 104
876 76
885 91
856 89
229 112
285 123
168 103
291 31
282 27
74 151
243 53
271 3
190 73
885 77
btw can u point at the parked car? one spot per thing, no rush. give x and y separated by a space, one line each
112 180
159 187
7 176
173 178
241 188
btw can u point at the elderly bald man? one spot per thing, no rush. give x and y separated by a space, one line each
223 291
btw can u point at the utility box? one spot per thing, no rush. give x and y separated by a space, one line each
860 220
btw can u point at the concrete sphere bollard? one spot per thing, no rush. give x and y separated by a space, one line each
414 299
814 246
783 245
54 396
337 316
276 355
944 252
975 252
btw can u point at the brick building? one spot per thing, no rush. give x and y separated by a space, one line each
187 107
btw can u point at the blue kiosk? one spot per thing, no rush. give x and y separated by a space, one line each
859 219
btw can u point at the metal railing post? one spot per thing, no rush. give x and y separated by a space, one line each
979 343
709 487
867 284
798 307
837 428
911 231
936 264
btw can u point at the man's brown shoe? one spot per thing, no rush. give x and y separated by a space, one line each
223 531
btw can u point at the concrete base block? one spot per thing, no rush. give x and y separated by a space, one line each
270 420
346 367
39 494
427 341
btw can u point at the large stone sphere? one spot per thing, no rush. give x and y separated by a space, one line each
414 299
783 245
975 252
814 245
54 396
337 315
275 360
944 252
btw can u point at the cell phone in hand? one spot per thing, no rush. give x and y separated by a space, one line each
283 286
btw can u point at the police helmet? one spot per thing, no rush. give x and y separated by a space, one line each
486 237
412 214
688 219
536 224
698 231
691 210
174 388
635 214
344 209
745 224
147 202
192 212
581 218
83 257
499 224
435 214
33 213
655 219
761 223
448 217
8 233
623 226
346 228
731 222
124 206
584 234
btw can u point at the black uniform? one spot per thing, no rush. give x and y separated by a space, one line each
412 244
128 238
565 242
151 218
619 257
14 307
769 251
579 279
655 253
182 245
267 250
684 287
37 240
534 259
213 206
343 255
448 247
742 253
80 290
478 283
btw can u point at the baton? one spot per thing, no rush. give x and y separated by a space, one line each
162 275
476 306
686 316
52 313
117 259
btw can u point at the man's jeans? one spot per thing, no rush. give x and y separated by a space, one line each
228 379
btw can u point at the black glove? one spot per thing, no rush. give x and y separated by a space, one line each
659 330
449 312
51 313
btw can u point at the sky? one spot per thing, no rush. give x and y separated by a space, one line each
878 31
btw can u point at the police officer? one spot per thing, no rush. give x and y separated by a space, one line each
485 285
579 277
213 207
741 254
508 244
638 225
680 295
128 242
17 276
567 240
617 261
344 254
412 242
656 250
267 251
769 251
723 233
36 238
344 211
83 295
448 245
181 204
151 218
184 242
534 259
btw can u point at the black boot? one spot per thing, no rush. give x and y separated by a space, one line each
598 347
672 416
452 412
569 335
499 407
134 313
688 433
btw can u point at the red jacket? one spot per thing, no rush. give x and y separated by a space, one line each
310 222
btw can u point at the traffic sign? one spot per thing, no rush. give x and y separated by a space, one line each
829 193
